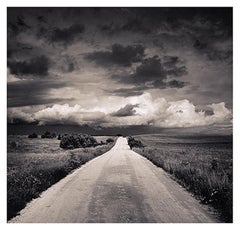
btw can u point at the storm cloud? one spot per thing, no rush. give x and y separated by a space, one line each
32 92
174 66
151 73
126 92
66 35
119 55
37 66
127 110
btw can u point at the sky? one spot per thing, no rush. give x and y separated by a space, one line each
120 67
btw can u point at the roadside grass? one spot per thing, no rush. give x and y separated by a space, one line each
203 167
35 165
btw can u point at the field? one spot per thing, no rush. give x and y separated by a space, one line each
33 165
202 164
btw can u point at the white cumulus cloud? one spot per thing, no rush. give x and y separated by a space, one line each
161 113
139 110
65 114
19 114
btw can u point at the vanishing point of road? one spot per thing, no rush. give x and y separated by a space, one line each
120 186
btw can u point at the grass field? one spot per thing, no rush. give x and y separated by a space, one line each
33 165
202 164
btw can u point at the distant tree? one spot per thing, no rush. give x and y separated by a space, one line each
101 143
47 134
134 143
72 141
33 135
109 140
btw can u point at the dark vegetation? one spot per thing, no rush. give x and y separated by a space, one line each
33 165
33 135
72 141
109 140
47 134
133 143
203 168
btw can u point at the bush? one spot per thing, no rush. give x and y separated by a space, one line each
109 140
47 134
33 135
134 143
72 141
101 143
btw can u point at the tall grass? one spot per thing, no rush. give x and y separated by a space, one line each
205 169
35 165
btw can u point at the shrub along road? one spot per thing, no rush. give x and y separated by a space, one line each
118 187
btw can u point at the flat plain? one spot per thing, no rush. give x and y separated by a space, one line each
33 165
202 164
119 186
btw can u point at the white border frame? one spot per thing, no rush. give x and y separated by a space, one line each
128 3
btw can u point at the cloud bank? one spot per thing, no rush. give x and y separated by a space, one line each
139 110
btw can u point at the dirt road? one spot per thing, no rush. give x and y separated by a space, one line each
119 186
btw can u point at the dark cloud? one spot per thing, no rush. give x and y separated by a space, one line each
136 25
119 55
37 66
132 22
67 63
178 71
34 100
212 34
32 92
15 48
152 74
220 55
127 110
199 45
19 120
17 26
66 35
170 61
41 19
176 84
150 69
146 20
173 66
126 92
168 84
21 22
212 52
12 28
149 20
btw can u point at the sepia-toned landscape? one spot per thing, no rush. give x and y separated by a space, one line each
119 115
